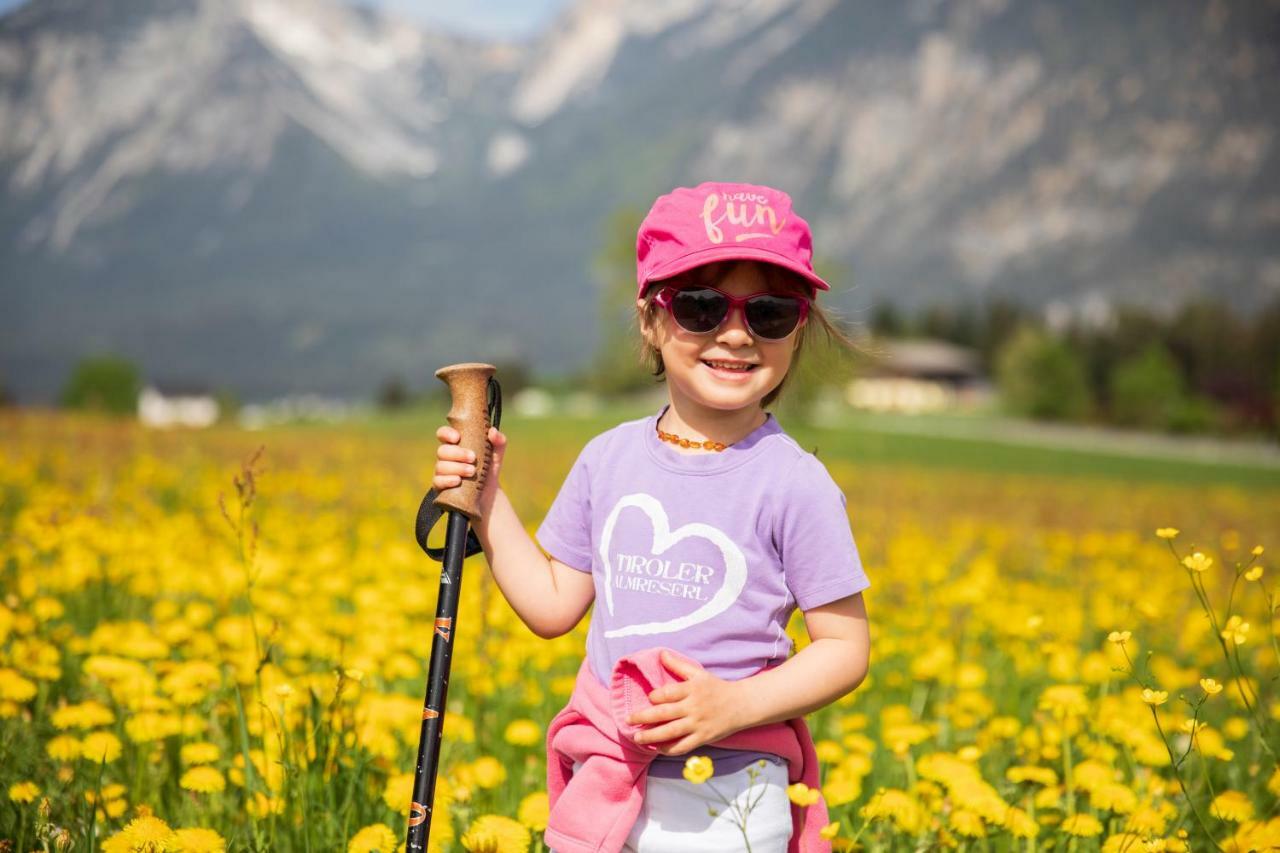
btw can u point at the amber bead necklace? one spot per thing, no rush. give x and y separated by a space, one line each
717 446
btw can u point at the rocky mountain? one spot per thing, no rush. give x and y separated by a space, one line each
284 195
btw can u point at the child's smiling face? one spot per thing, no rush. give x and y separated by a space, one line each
689 358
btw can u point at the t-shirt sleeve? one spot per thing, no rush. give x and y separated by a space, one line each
815 543
565 533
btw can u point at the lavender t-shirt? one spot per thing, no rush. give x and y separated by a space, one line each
708 554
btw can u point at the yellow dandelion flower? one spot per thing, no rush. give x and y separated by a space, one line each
144 834
841 788
495 834
460 727
1081 825
523 733
1253 574
399 792
1236 630
100 746
968 823
1257 551
64 748
203 780
488 772
1148 820
263 805
1048 798
152 725
1092 773
1030 773
86 715
24 792
1166 532
1114 797
1020 824
375 838
893 803
802 795
1123 842
1154 697
115 808
830 831
191 681
1197 562
1236 728
828 751
199 840
1064 700
1119 637
906 735
1210 686
698 769
202 752
533 811
15 688
1232 806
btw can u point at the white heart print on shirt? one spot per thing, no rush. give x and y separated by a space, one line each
735 565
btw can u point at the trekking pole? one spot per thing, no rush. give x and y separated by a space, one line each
476 404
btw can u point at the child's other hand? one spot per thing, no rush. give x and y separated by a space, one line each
453 463
699 710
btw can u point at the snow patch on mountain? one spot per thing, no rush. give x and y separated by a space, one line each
572 63
507 152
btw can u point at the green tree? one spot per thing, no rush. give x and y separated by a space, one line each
1040 376
887 320
1001 317
513 376
1147 390
1275 401
103 383
618 367
229 404
821 365
393 393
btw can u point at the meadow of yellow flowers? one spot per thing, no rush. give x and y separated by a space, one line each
219 641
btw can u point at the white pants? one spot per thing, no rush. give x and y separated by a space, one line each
676 818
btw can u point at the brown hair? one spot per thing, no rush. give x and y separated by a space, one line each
778 278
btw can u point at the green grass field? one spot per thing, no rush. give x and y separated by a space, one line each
863 440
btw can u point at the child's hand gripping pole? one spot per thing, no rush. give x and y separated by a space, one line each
476 405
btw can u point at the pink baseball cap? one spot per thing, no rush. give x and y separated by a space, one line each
712 222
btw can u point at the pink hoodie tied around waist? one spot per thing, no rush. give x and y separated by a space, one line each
594 810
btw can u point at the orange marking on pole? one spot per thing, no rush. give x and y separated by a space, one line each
428 714
443 625
417 814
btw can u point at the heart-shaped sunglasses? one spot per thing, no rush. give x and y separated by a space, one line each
702 310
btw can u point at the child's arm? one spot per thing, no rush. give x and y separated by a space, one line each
547 595
703 708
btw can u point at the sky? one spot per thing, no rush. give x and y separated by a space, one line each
505 18
509 18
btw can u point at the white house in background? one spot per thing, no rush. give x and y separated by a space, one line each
170 405
919 375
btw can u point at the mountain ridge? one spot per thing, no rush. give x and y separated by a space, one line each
338 196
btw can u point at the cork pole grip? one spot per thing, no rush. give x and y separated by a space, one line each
469 414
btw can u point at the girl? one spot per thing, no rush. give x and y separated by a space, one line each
696 531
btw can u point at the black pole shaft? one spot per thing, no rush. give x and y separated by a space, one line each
424 781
